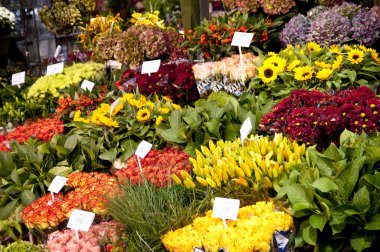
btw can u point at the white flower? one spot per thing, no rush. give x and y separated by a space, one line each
7 18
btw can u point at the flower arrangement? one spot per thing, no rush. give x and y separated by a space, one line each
148 19
313 117
174 80
7 20
336 25
252 231
157 167
271 7
314 66
212 39
73 75
226 74
64 15
41 129
255 164
104 232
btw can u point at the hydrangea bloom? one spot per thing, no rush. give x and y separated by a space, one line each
347 9
242 5
366 26
275 7
296 30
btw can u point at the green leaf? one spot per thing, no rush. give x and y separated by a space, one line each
60 171
71 143
361 242
170 135
361 200
373 179
345 136
129 148
351 75
15 177
334 153
213 127
309 234
374 224
109 155
318 221
8 209
175 119
27 197
324 185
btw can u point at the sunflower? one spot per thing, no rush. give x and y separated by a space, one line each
268 73
322 64
313 47
278 62
159 120
355 56
293 64
143 115
163 110
324 74
337 63
334 49
374 55
303 73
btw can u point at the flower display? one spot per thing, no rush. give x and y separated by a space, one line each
104 232
252 231
271 7
314 66
336 25
157 167
41 129
255 164
313 117
175 80
242 5
73 75
7 20
148 19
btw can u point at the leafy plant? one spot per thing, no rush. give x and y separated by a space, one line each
23 246
335 195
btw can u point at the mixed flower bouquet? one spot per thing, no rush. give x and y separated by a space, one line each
7 21
252 231
212 39
271 7
314 66
339 24
313 117
174 80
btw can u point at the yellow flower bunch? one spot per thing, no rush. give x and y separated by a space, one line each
252 231
99 116
255 164
149 19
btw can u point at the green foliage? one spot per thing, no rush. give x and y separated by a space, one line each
150 212
218 117
22 246
336 194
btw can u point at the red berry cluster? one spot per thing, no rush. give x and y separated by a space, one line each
157 167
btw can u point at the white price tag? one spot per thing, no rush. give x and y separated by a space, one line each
87 85
81 220
151 66
57 184
143 149
54 69
242 39
282 241
18 78
114 105
245 129
226 209
57 51
196 249
114 64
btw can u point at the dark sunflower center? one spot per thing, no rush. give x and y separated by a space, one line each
355 57
268 73
144 114
275 64
305 74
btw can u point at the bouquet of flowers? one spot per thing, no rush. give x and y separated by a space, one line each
7 21
272 7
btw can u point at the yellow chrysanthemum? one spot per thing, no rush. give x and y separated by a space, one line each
268 73
303 73
355 56
322 64
313 47
278 62
163 110
293 64
334 49
159 120
324 74
143 115
374 55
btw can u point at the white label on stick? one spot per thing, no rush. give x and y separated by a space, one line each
226 209
18 78
81 220
151 66
54 69
57 184
242 39
114 105
87 85
114 64
245 129
57 51
143 149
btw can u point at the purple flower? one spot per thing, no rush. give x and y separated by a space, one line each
366 26
296 30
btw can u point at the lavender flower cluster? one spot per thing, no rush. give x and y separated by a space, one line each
336 25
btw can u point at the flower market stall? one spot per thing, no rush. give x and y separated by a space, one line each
257 130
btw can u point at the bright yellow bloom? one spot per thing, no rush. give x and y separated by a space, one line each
143 115
167 98
322 64
163 110
337 63
334 49
374 55
355 56
303 73
278 62
159 120
347 48
293 64
136 15
363 48
108 121
176 106
268 73
324 74
272 53
313 47
150 105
